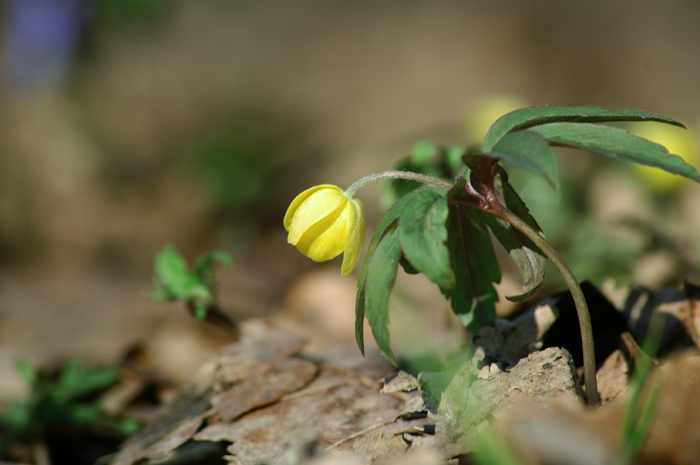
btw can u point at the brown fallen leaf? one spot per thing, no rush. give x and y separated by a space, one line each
337 409
589 437
262 385
612 377
267 401
254 372
172 428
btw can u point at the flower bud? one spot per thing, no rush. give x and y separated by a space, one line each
324 222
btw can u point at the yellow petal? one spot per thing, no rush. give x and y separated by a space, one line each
355 237
326 239
323 204
299 199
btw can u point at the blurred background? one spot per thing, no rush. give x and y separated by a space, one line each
126 125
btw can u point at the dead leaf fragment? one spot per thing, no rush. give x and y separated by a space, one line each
612 377
265 384
338 409
174 427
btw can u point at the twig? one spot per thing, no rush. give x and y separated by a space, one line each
360 433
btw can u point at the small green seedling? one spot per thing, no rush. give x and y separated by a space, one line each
640 409
197 288
492 448
443 229
69 398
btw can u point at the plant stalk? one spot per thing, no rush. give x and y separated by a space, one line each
405 175
584 318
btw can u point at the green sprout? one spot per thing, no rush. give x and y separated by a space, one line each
443 229
640 409
197 288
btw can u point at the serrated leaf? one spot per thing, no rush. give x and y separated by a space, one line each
615 143
388 220
381 276
474 264
423 235
529 151
533 116
529 259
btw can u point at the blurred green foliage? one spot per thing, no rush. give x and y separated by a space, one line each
68 398
235 164
128 12
427 158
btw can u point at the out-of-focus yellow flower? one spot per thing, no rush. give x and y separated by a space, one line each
483 112
324 222
678 141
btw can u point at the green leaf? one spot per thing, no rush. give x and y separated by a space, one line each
127 426
426 158
381 276
69 382
533 116
474 264
388 220
172 273
84 414
616 143
529 151
205 266
14 416
453 156
424 152
423 235
77 380
529 259
99 378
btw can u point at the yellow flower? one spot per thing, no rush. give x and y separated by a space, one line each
678 141
324 222
486 110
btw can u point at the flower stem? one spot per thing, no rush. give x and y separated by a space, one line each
584 318
406 175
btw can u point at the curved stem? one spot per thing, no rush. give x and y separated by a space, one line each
584 318
405 175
